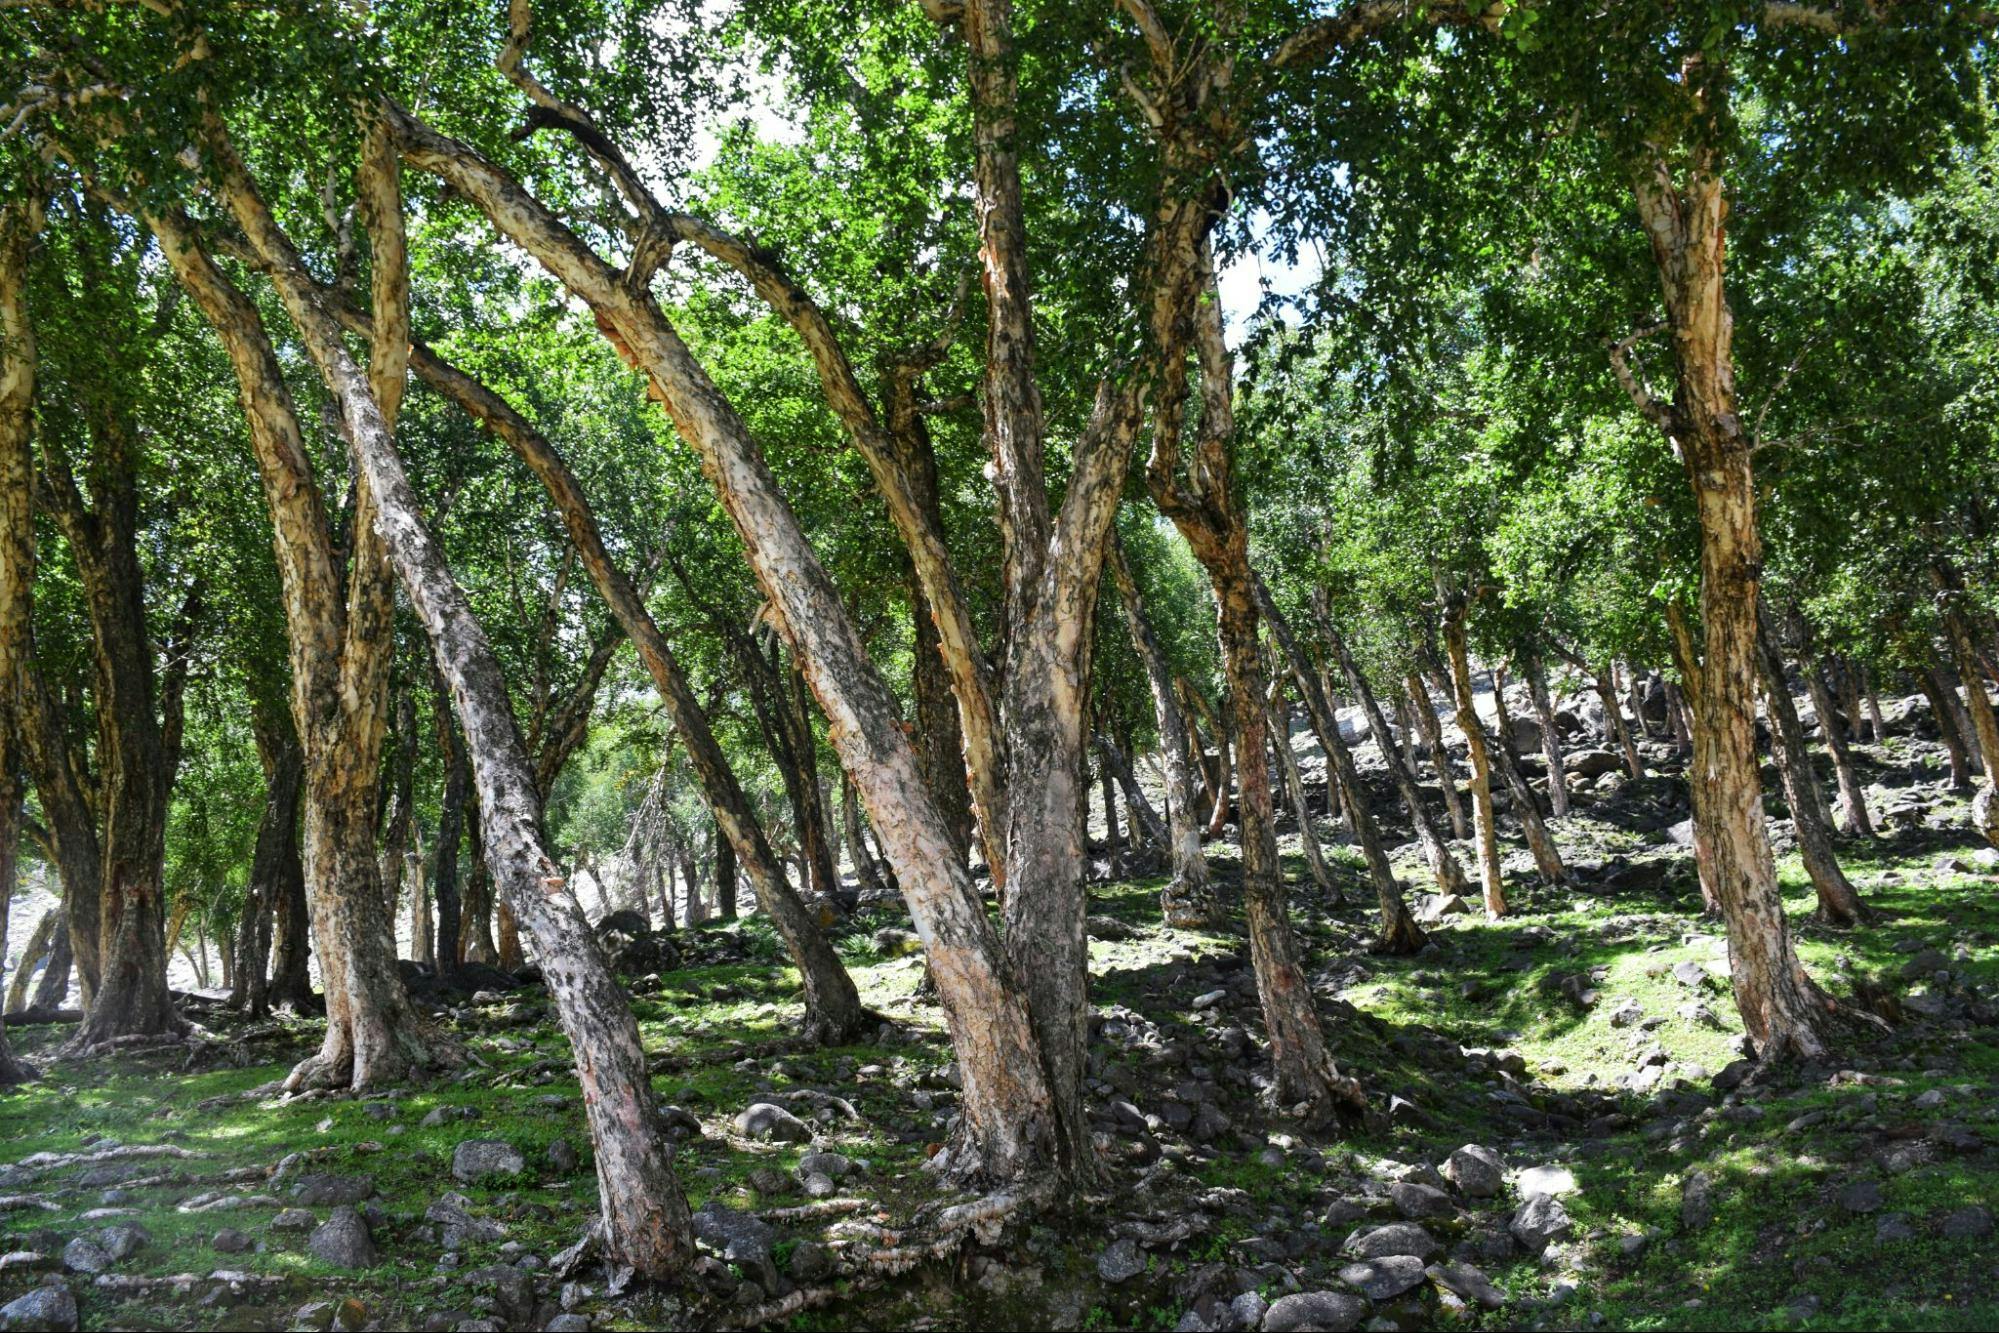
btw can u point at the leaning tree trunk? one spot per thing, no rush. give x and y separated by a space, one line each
1783 1010
1481 763
1547 858
1294 788
1839 902
13 1069
1616 729
867 880
1450 875
1440 758
1009 1110
1551 740
1944 711
1187 902
41 944
1399 932
645 1219
1147 829
1852 800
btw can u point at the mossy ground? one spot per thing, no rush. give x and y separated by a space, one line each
1778 1254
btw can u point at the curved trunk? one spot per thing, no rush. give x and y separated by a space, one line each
1839 903
1146 827
1490 884
41 944
1616 729
1547 857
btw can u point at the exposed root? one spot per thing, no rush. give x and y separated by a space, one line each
49 1161
808 1212
15 1202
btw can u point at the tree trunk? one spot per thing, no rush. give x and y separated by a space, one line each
1399 933
1551 739
1944 711
53 988
1440 758
1676 709
396 827
1547 858
867 879
1294 787
1493 889
1839 903
1876 724
1852 800
475 932
1107 785
13 1069
450 835
1146 827
1187 902
1783 1010
41 944
645 1217
1450 875
725 875
1985 724
276 872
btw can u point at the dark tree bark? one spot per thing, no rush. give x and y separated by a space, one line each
1146 826
1839 903
725 876
1944 711
277 875
1551 738
1834 731
1547 857
1294 788
867 879
450 834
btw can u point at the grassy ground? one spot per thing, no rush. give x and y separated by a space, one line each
1780 1252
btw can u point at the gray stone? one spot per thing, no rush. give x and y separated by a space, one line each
1696 1201
343 1241
84 1255
1331 1311
1861 1196
294 1219
736 1237
568 1323
1468 1282
810 1262
1386 1278
476 1159
1476 1171
1893 1227
1121 1261
562 1158
324 1191
51 1309
1553 1181
1972 1223
764 1120
818 1186
1538 1221
231 1241
1397 1238
833 1165
124 1240
1417 1201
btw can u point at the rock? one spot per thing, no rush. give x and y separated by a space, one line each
1417 1201
1332 1311
1109 928
737 1237
1121 1261
84 1255
1209 999
1985 813
1626 1014
1590 764
810 1262
343 1241
1681 834
1696 1201
818 1186
562 1158
1690 973
476 1159
832 1165
231 1241
124 1240
568 1323
294 1219
1476 1171
1386 1278
1468 1282
765 1120
323 1191
1893 1227
1860 1196
1403 1238
50 1308
1972 1223
1732 1074
1554 1181
1539 1220
457 1227
1434 907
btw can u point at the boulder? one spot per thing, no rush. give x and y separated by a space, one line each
476 1159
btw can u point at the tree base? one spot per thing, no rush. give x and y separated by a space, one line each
1189 906
1401 939
1985 813
416 1053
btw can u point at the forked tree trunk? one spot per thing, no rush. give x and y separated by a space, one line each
1440 758
1492 887
1187 902
1839 903
1783 1010
645 1218
1009 1103
1450 875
